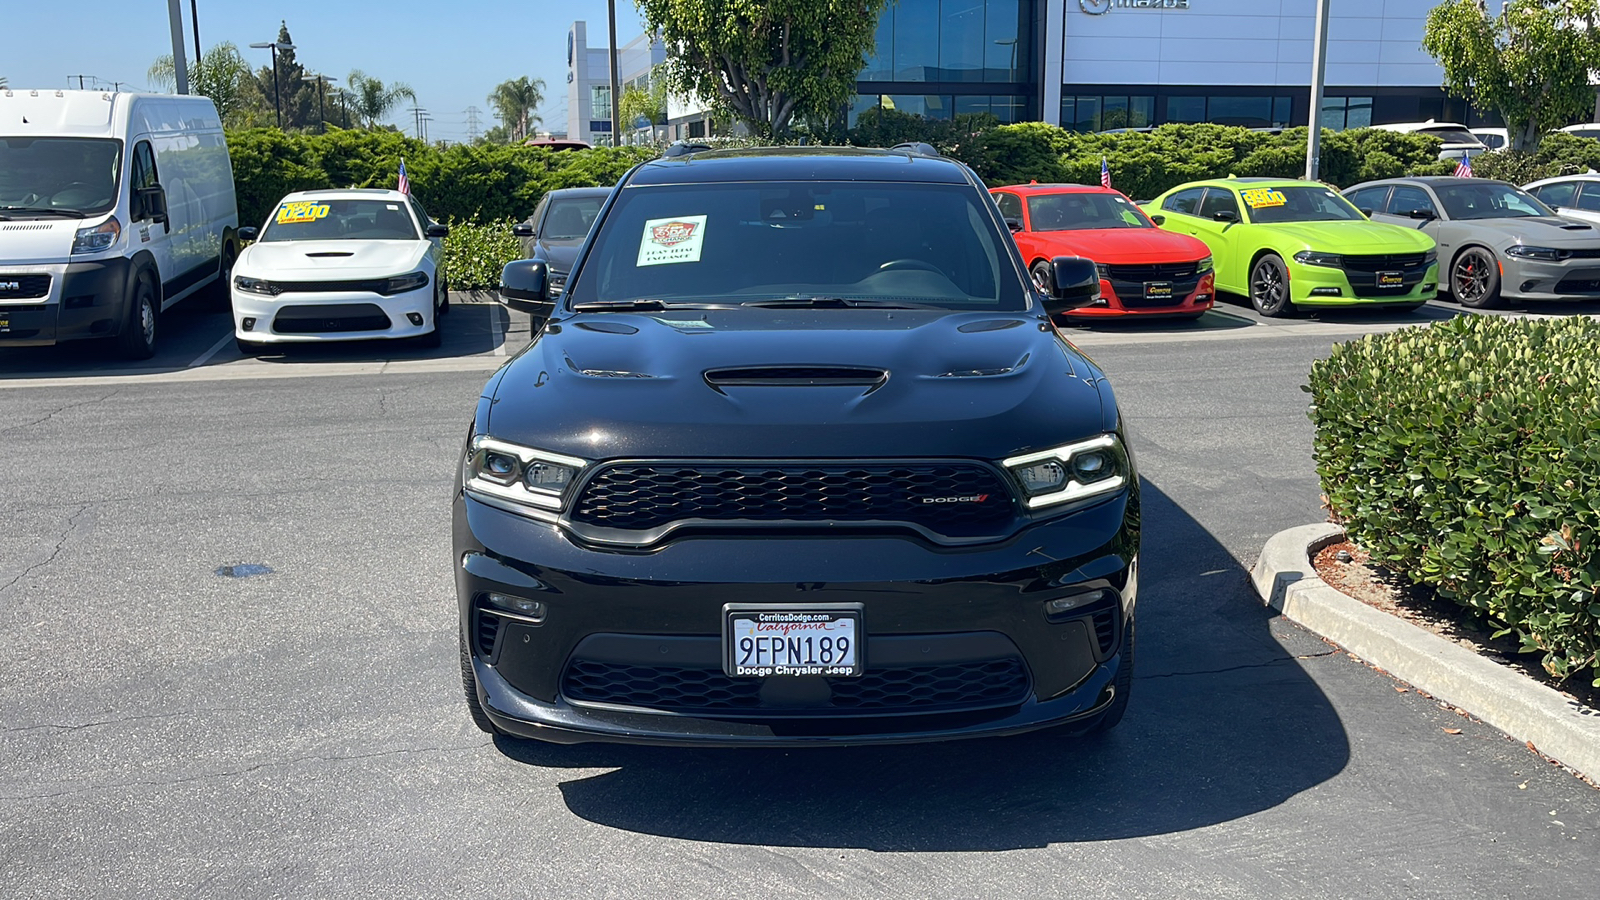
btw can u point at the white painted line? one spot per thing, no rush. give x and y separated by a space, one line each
499 333
255 369
202 358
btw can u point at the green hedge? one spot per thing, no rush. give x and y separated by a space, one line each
474 253
1558 154
1466 456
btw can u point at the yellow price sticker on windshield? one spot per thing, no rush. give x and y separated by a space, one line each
1260 197
301 211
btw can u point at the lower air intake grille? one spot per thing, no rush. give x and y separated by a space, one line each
488 629
330 317
1105 629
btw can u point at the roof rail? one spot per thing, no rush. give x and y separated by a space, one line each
917 148
682 148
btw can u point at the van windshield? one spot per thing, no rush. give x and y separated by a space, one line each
39 176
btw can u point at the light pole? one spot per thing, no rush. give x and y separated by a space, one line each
616 120
1319 68
322 98
180 66
277 92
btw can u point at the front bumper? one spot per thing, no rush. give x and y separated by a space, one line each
349 316
1531 279
1195 301
660 612
1328 286
83 300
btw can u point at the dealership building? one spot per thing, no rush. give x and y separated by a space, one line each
1092 65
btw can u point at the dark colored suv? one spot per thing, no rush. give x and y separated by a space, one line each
797 457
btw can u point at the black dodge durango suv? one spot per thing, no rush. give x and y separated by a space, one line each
798 457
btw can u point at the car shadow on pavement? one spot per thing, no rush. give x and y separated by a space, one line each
1223 723
1215 319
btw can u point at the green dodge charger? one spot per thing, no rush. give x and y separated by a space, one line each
1290 243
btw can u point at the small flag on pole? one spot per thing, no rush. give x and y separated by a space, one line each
405 183
1105 174
1464 168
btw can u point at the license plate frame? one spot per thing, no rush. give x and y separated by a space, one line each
1391 280
779 614
1158 290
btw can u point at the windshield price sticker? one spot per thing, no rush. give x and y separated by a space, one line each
1258 198
765 642
673 240
301 211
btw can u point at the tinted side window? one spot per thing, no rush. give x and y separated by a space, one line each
1562 193
422 214
1407 199
1218 200
1369 198
1187 202
144 167
1589 199
1010 206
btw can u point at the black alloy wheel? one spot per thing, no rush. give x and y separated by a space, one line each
221 293
443 307
1475 279
137 340
1269 287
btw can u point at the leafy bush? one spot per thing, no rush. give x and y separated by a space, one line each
1558 154
1466 456
474 253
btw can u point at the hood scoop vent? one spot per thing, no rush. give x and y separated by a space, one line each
796 376
1576 227
327 253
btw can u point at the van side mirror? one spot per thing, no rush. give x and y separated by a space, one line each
1225 215
435 230
151 203
1074 284
522 229
248 233
523 287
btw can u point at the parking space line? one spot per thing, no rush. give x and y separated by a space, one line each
499 332
202 358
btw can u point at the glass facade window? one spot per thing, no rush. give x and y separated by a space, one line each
600 102
1228 109
1088 114
1339 113
953 41
1186 109
1006 108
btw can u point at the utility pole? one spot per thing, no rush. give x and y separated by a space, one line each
194 16
180 66
472 124
80 80
419 112
1319 69
616 121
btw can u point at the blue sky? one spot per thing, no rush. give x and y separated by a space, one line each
452 52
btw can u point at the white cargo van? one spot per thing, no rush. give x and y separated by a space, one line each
113 207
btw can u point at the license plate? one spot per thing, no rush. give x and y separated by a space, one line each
5 323
785 639
1158 290
1391 279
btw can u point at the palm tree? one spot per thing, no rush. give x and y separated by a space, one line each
514 103
371 100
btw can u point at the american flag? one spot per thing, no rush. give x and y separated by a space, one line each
405 183
1105 174
1464 168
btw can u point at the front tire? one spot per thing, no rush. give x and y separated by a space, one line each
1269 287
1122 684
469 683
1475 279
137 340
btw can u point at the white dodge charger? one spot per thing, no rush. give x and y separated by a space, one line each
340 265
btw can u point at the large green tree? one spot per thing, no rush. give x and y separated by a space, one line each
514 103
1530 64
768 63
222 74
372 100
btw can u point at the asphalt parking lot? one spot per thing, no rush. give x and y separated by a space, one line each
171 731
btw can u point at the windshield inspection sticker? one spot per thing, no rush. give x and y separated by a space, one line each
301 211
675 240
1260 197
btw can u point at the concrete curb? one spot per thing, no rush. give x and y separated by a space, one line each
1558 726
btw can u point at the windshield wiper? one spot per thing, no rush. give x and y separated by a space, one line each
71 213
650 304
836 303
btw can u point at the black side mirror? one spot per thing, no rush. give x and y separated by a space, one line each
151 203
1364 211
1159 219
1423 214
1013 223
522 229
1074 284
248 233
435 230
523 285
1225 215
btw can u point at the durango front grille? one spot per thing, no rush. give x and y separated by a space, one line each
947 687
24 287
953 500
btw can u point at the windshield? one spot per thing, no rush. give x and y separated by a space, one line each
569 220
1272 206
921 244
69 174
340 220
1451 135
1487 200
1077 211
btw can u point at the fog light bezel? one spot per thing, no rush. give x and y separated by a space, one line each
512 606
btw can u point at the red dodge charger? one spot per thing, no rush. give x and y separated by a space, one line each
1144 271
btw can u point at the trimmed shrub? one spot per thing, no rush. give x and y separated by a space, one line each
1466 456
474 253
1558 154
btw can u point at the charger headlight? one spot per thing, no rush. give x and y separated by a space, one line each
402 283
524 476
1319 258
254 285
1071 472
1204 265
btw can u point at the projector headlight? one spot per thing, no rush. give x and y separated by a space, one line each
1072 471
528 478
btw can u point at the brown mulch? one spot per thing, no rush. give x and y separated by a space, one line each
1420 606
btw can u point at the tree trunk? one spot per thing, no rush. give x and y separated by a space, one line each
1523 139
